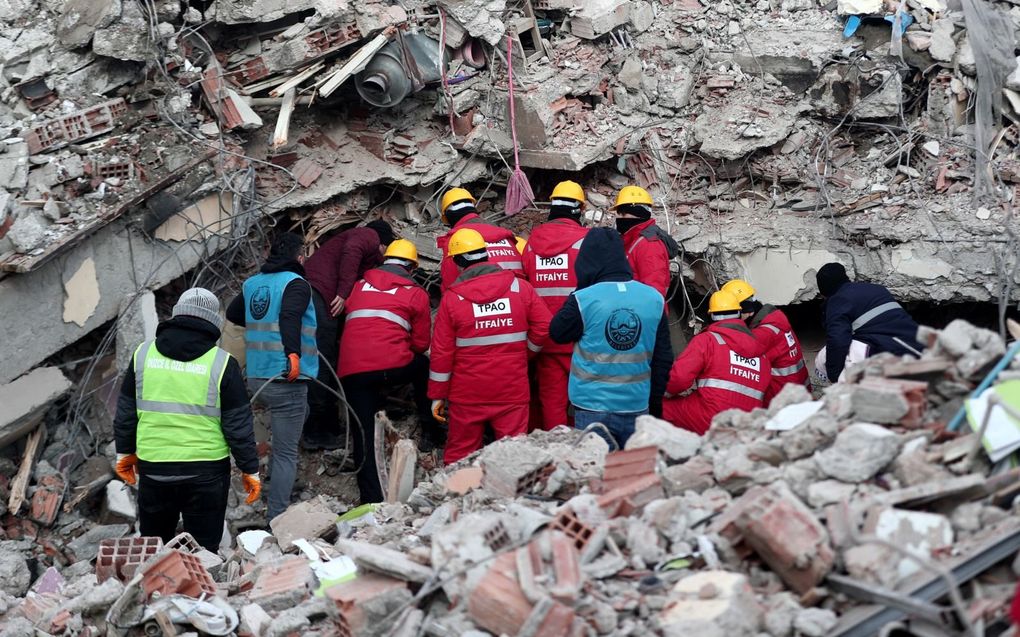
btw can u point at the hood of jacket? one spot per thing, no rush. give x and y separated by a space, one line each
276 263
387 277
555 237
602 258
483 283
185 338
737 336
762 314
444 240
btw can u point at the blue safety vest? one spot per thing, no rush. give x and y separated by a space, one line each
263 296
611 368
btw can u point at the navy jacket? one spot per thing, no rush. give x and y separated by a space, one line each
847 318
601 258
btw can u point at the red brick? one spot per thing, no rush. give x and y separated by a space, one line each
786 535
350 597
560 575
46 500
567 522
632 496
177 572
306 172
67 129
284 583
330 38
121 557
623 466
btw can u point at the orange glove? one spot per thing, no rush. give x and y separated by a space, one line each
293 367
126 467
439 410
253 485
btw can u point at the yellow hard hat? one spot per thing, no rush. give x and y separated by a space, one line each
521 242
632 195
739 288
465 240
723 302
568 190
452 196
402 249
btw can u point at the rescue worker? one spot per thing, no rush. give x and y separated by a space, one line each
458 211
488 324
550 258
863 312
621 353
333 270
275 308
385 336
772 330
181 413
648 247
724 365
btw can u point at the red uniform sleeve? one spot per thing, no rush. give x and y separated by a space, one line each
651 265
528 261
538 320
443 352
689 365
421 322
447 273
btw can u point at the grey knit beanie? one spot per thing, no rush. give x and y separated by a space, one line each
200 303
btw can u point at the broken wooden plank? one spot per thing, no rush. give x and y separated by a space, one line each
297 79
926 493
20 483
356 63
404 460
283 120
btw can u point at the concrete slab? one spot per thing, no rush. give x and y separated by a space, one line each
25 398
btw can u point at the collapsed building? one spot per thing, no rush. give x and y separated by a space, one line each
149 146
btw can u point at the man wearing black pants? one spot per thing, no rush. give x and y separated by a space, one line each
383 346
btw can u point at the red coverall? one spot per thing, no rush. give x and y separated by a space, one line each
727 367
648 257
549 266
488 323
388 322
501 242
772 330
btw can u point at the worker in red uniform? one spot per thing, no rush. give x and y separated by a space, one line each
772 330
724 365
549 260
332 271
648 246
385 336
488 324
458 211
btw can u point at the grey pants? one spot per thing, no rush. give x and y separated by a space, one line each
288 408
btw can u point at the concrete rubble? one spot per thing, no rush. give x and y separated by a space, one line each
814 530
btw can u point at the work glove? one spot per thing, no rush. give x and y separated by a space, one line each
127 467
252 485
293 367
655 406
439 410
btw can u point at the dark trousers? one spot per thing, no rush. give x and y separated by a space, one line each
366 393
323 415
201 501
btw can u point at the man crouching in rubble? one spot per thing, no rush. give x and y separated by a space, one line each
182 411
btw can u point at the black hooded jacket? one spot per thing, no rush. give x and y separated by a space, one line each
296 297
185 338
602 258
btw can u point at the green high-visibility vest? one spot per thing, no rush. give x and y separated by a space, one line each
178 405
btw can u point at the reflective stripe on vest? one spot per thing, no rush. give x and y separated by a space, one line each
392 317
498 339
263 298
510 265
602 357
438 377
775 330
788 371
718 338
554 291
634 245
729 385
617 380
178 406
874 313
306 330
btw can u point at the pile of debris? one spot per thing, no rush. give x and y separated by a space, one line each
840 516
